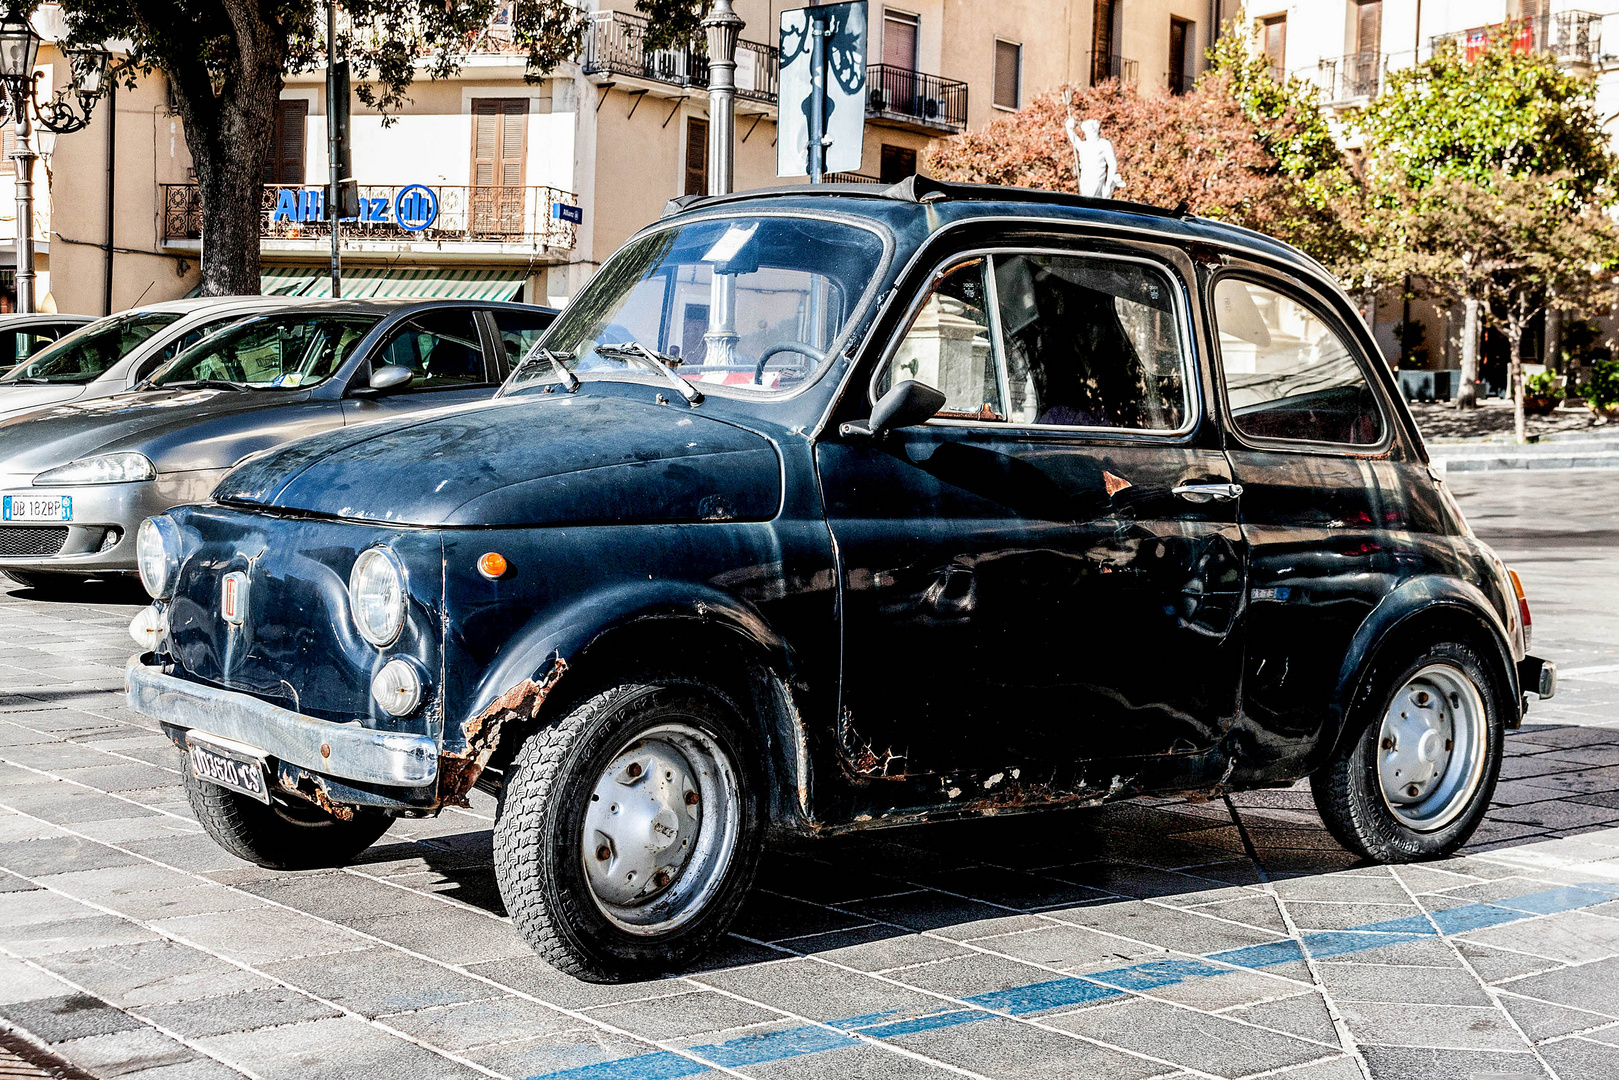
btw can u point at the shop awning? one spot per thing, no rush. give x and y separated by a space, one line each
365 282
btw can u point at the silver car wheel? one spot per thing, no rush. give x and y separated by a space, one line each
1431 748
661 828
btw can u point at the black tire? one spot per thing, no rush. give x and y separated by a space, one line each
541 817
291 837
50 583
1348 788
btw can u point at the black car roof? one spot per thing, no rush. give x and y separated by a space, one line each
917 195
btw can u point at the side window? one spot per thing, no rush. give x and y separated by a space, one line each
518 331
1090 342
180 344
441 347
950 346
1288 373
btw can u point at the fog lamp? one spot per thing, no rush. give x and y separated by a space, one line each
397 687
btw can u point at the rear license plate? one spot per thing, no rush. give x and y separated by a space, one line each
36 508
237 771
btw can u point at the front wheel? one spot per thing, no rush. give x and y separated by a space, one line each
628 833
281 836
1413 776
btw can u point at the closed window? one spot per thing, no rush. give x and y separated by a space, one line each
1050 340
441 347
285 165
1288 373
1273 38
896 163
696 157
499 162
1008 74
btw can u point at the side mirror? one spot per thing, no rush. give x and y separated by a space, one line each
905 405
386 379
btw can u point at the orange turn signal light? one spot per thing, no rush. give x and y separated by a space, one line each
492 565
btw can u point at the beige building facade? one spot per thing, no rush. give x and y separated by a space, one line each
536 184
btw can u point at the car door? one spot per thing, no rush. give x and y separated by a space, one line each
1049 572
443 348
1322 512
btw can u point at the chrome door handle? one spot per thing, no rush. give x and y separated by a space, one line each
1202 493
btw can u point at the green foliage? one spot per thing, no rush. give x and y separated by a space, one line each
1542 384
1286 114
1502 111
1603 389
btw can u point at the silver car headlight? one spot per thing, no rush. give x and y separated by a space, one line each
397 687
377 596
121 468
157 555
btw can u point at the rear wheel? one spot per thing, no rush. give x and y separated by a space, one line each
291 836
1413 776
628 833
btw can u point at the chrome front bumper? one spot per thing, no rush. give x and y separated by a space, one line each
349 751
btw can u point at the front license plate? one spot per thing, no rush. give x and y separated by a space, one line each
36 508
239 772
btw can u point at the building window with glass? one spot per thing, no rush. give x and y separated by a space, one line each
1008 74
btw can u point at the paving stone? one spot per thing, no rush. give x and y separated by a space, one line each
198 1068
1397 985
378 980
1582 1059
20 982
471 1024
340 1048
245 1011
578 1049
60 855
1540 1020
1005 1048
262 935
125 1052
68 1016
684 1016
151 973
41 939
1212 1044
1456 1026
1304 1015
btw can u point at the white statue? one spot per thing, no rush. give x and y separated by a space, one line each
1098 169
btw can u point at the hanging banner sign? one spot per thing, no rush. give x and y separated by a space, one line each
415 207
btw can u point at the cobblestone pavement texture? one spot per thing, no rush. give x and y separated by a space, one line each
1144 939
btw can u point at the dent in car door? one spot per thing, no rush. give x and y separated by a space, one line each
1046 577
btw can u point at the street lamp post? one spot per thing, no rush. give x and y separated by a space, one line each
724 27
19 49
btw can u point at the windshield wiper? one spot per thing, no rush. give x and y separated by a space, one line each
202 384
569 379
659 362
35 379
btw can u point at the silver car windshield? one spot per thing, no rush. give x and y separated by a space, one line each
272 352
749 303
90 351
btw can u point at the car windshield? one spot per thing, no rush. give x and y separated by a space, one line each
91 350
752 303
272 352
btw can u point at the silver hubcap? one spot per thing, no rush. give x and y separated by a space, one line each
1430 750
660 829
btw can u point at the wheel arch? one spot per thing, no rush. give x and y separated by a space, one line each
669 629
1424 609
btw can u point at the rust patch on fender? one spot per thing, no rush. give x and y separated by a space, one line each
862 759
457 772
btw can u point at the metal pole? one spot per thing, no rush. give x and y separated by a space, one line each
332 199
112 183
817 118
724 26
24 155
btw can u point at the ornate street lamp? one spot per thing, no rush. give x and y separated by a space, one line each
89 78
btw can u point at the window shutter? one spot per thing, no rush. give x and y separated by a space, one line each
1369 26
696 157
485 141
286 162
513 142
1008 61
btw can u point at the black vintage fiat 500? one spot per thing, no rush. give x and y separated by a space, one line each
840 508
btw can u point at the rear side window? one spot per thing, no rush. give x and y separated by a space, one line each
1049 341
519 330
1288 373
81 356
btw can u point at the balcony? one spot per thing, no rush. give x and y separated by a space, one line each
615 44
910 99
494 221
1573 37
1113 66
1350 79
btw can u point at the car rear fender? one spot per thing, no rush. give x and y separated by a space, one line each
1423 610
563 653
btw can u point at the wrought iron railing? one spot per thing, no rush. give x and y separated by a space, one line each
1572 36
615 43
1114 66
1180 82
525 216
851 178
1352 77
897 93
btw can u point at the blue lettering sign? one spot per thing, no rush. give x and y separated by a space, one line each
415 208
286 206
312 207
574 215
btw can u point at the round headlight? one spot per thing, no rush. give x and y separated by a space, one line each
157 555
397 687
377 596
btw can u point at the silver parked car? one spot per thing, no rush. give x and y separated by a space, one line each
114 354
21 336
76 479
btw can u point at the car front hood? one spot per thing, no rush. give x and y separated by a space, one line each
18 398
149 422
530 460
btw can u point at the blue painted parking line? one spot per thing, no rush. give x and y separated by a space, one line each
1071 990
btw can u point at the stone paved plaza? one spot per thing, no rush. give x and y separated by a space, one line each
1162 939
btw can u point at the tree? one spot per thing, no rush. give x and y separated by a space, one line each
1511 246
1200 147
226 61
